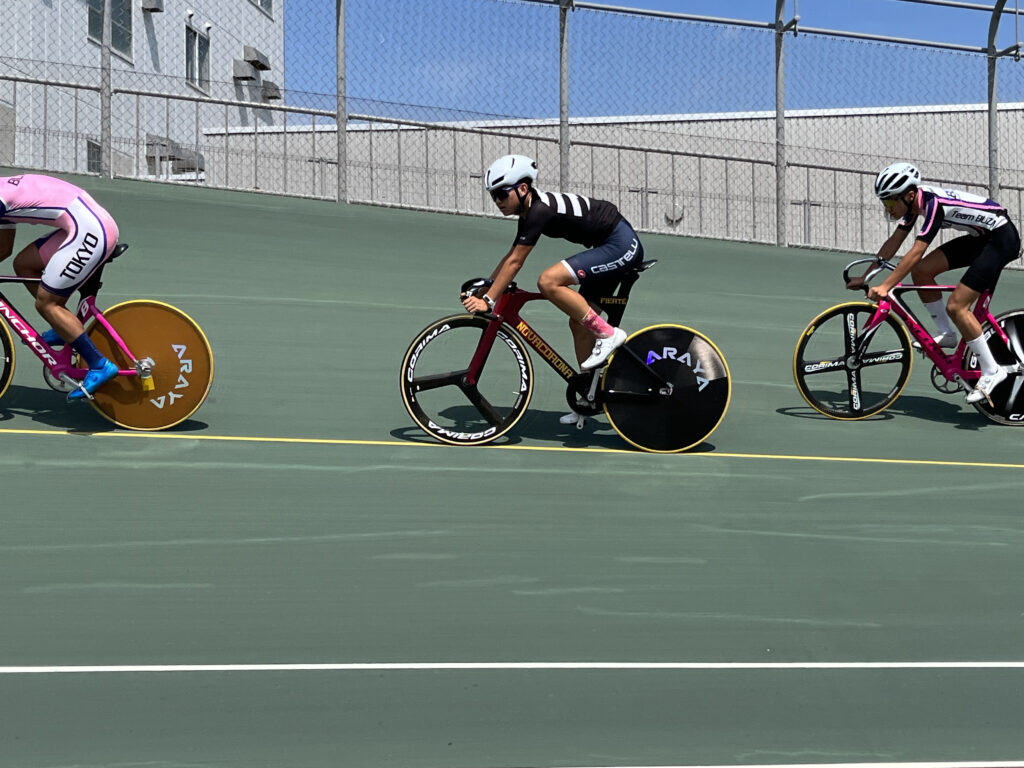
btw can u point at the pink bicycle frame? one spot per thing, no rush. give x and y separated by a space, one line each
58 361
947 364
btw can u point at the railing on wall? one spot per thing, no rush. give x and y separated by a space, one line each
751 170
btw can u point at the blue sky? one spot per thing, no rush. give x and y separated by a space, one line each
894 18
460 59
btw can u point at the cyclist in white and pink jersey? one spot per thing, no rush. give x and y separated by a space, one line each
83 238
990 244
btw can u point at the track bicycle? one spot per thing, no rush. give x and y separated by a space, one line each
468 379
853 360
164 359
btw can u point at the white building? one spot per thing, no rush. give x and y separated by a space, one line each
198 51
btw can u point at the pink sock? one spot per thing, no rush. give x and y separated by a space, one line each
596 324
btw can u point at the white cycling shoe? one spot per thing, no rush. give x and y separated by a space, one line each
983 389
573 419
944 340
603 348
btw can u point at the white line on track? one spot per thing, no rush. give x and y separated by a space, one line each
508 666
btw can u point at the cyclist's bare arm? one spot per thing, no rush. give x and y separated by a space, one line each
903 268
6 243
885 253
508 268
502 276
892 244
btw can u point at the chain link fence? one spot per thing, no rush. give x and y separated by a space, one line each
686 123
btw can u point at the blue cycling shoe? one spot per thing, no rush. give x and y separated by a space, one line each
52 338
94 379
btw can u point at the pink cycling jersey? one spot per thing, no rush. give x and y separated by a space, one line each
85 233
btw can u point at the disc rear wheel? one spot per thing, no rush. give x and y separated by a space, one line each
666 389
1007 406
182 371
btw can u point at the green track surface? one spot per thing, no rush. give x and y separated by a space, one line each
300 518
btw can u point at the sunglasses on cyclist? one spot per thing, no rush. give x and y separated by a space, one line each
501 193
890 203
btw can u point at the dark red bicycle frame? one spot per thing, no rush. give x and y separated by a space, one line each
506 310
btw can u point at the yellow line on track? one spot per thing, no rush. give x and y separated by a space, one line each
559 449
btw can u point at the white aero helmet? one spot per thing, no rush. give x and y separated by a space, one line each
896 179
509 170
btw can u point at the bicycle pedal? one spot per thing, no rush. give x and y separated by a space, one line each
80 388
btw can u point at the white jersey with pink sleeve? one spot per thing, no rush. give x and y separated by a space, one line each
85 234
944 208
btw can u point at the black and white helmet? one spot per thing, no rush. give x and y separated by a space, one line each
509 170
896 179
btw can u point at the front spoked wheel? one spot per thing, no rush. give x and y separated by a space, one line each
1007 406
6 359
441 396
666 389
182 365
846 372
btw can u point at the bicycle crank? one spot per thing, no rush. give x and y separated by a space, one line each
943 384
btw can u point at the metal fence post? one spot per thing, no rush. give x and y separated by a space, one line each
781 204
563 92
342 106
993 102
106 134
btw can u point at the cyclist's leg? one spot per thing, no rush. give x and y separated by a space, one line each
621 251
6 240
984 259
585 323
31 261
928 269
995 252
555 284
67 264
582 340
926 272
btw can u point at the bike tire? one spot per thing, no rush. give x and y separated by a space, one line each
7 359
1007 406
837 381
182 369
443 403
657 418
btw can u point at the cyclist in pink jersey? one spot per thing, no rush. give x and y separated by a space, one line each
83 238
990 244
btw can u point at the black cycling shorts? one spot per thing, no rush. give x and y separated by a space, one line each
984 257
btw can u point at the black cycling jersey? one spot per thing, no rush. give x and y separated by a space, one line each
575 218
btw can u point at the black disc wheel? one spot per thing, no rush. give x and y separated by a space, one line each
666 389
1007 399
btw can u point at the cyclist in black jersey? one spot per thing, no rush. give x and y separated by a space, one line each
611 243
990 244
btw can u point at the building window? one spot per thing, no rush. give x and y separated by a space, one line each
267 6
197 58
120 24
92 156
